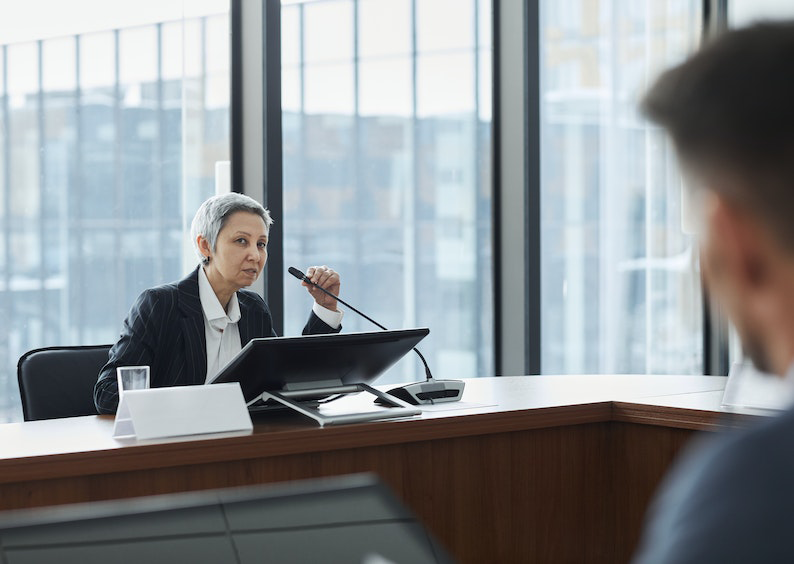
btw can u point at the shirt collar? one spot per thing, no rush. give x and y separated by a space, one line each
213 311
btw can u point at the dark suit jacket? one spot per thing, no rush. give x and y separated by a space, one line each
165 331
729 499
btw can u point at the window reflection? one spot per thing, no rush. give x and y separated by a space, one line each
108 132
387 169
620 282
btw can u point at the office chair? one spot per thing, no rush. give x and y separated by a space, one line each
59 381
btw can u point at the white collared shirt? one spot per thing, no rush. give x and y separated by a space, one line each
221 327
222 331
331 318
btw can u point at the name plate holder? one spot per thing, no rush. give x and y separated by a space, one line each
157 413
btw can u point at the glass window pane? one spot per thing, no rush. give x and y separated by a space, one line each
171 55
387 179
218 79
446 84
60 64
484 23
620 283
328 32
442 25
23 71
745 12
97 64
384 28
138 55
113 130
216 33
290 89
192 55
290 34
485 91
330 89
386 87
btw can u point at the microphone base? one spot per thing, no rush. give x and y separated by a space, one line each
429 392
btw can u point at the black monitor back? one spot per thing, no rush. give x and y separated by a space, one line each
317 361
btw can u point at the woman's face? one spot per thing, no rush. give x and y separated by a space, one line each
240 251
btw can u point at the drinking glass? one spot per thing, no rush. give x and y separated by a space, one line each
132 378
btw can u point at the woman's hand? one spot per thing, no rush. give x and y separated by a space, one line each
327 279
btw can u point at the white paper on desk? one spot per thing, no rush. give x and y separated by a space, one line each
454 406
182 410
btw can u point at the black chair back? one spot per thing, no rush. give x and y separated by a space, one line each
59 381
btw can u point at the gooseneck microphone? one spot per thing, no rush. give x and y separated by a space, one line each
430 391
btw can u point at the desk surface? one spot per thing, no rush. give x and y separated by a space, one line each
565 457
489 405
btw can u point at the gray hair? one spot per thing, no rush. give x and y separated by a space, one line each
213 213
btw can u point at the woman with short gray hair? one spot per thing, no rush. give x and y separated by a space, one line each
187 331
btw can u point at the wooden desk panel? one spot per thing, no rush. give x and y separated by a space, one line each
641 455
487 497
542 476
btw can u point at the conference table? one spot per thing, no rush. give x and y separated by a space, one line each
523 469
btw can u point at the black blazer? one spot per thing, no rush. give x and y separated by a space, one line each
165 331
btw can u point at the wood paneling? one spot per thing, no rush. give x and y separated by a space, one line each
641 455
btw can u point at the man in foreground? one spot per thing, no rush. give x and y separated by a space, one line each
730 113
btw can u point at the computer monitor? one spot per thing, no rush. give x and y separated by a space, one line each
316 361
344 519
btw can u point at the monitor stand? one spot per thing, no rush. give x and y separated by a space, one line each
309 407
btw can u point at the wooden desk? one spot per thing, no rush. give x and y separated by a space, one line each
544 469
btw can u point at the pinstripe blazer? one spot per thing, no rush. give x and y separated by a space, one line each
165 331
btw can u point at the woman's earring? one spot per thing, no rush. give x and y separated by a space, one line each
205 260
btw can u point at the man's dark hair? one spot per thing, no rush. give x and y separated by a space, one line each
730 109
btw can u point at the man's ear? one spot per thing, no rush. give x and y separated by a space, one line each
737 243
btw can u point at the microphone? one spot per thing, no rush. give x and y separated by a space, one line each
427 392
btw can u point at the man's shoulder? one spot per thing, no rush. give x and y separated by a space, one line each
727 497
770 437
756 457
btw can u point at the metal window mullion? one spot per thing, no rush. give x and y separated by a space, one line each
7 303
76 265
479 259
42 188
532 187
358 156
716 352
411 251
118 180
273 156
304 129
159 172
496 193
256 127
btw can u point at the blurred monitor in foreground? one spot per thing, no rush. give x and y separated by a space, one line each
350 519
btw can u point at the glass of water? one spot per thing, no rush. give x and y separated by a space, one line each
132 378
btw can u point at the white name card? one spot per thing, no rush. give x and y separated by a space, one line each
157 413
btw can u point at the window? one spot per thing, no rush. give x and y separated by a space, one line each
111 118
621 289
387 129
